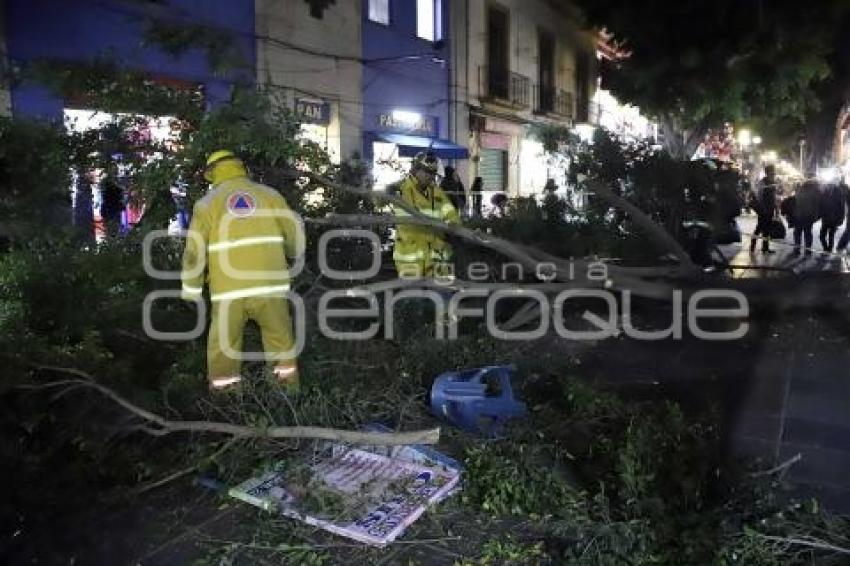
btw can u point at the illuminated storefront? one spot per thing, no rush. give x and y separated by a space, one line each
398 135
88 194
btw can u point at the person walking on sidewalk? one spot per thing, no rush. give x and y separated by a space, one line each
806 213
764 203
832 208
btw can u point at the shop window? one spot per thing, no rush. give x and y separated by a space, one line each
429 20
546 72
112 186
379 11
498 75
318 7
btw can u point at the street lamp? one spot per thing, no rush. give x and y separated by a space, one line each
744 138
756 140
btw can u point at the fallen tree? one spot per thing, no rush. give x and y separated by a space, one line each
650 282
160 426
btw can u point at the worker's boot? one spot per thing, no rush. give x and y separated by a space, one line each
229 384
286 376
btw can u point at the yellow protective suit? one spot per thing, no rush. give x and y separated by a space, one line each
238 244
421 251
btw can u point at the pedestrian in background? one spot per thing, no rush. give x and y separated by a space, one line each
475 192
786 207
806 213
500 205
453 187
746 191
832 208
84 206
111 201
764 203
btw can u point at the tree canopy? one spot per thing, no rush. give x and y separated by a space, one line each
694 65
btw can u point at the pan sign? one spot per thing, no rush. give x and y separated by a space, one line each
313 111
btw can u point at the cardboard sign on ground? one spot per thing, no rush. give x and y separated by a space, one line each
376 497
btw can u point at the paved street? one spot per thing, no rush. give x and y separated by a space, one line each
794 392
784 388
783 261
784 258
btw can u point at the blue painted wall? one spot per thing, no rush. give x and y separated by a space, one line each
417 83
80 30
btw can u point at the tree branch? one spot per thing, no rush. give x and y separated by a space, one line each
648 282
783 467
645 223
818 544
164 426
572 273
517 252
186 471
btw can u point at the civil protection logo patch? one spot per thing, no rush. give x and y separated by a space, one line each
241 204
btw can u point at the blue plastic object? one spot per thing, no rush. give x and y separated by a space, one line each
477 400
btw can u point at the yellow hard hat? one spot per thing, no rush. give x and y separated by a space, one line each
215 159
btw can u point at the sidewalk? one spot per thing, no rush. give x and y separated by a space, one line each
783 261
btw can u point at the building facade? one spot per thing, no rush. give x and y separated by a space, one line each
84 31
382 79
128 35
406 85
5 95
309 60
526 63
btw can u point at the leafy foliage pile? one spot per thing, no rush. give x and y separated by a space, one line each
605 481
588 478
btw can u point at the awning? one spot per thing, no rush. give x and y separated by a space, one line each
409 146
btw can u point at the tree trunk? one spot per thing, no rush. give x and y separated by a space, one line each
679 142
673 138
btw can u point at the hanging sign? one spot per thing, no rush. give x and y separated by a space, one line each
313 111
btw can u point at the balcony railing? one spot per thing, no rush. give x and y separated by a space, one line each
553 101
505 86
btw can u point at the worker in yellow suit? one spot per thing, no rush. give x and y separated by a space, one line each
421 251
239 237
